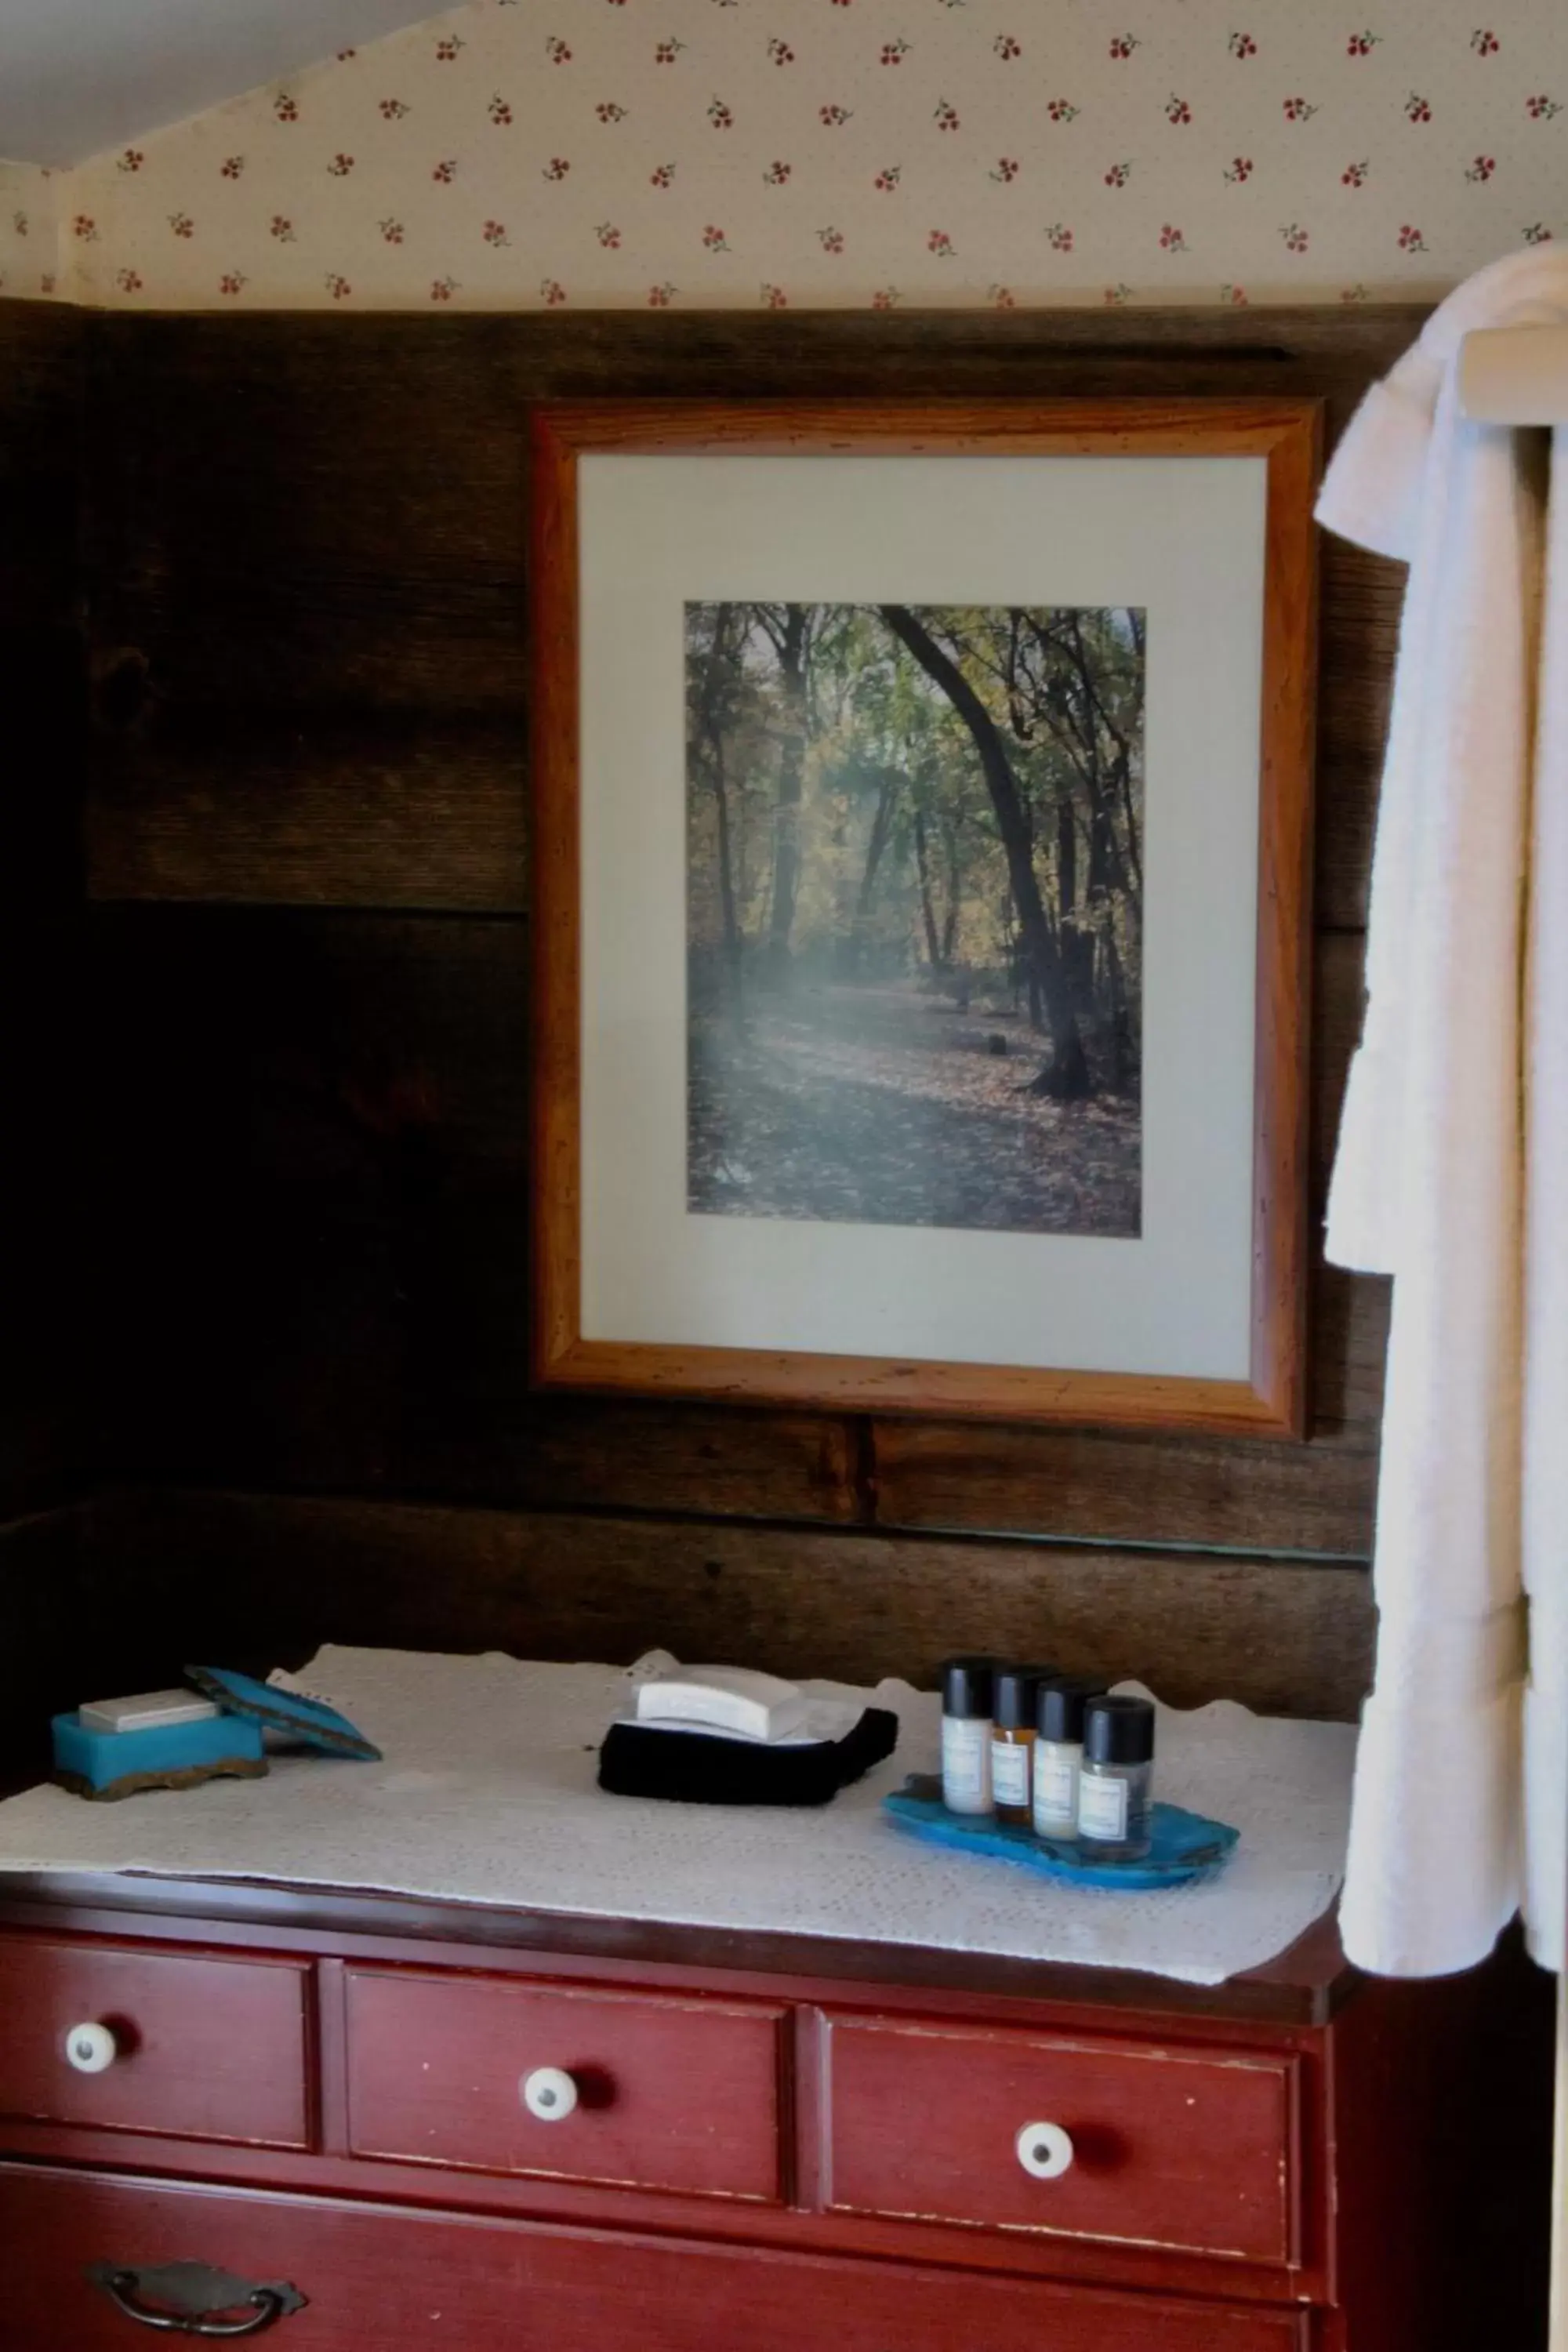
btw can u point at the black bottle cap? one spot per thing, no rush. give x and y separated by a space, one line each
966 1687
1061 1706
1015 1697
1119 1730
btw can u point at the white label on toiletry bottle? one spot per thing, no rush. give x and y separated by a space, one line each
966 1765
1055 1788
1009 1772
1102 1807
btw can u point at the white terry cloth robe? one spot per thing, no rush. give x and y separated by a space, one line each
1452 1169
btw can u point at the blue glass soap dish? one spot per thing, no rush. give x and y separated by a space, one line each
1185 1845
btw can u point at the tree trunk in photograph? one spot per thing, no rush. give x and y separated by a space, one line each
934 955
790 642
881 831
1067 1077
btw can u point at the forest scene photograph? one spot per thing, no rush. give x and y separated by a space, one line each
914 914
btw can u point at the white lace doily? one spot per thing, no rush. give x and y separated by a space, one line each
487 1795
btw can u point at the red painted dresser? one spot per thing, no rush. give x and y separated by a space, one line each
363 2125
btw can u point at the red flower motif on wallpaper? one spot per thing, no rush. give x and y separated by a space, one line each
662 175
1177 111
392 231
1541 109
1006 168
942 245
661 297
494 233
1062 110
773 298
1536 233
1059 238
1007 48
1484 42
713 239
886 297
720 115
835 116
1482 169
1171 239
556 169
608 112
1417 108
780 53
888 179
893 53
1002 298
1299 109
1122 46
392 109
608 234
338 287
233 165
447 50
1234 296
552 293
946 115
443 288
830 239
664 53
446 172
282 229
286 108
182 224
341 166
556 50
232 281
128 280
1118 175
1242 45
1361 45
1239 170
1296 237
132 160
500 114
777 175
1411 239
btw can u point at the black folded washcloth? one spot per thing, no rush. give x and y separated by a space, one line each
695 1768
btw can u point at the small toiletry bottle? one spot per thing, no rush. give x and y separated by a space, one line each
1115 1786
1013 1739
966 1698
1058 1752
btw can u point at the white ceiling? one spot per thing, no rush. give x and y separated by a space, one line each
79 76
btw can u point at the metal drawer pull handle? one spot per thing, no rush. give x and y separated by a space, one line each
1045 2150
550 2094
187 2296
91 2049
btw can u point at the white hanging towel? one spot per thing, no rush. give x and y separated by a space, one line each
1452 1170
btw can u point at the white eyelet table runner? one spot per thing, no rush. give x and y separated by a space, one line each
487 1795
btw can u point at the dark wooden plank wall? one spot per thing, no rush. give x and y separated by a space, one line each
304 564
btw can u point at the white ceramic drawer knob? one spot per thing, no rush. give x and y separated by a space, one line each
92 2049
549 2093
1045 2150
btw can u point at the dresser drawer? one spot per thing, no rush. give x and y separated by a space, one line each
648 2093
196 2048
1153 2146
376 2280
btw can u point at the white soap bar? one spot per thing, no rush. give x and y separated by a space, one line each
730 1698
152 1711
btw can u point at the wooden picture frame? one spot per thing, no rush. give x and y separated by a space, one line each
1264 1392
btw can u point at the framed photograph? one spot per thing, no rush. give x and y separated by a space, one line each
921 872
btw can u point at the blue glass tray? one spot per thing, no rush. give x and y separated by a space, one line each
1185 1845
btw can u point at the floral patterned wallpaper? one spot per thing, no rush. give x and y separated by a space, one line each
859 152
30 230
